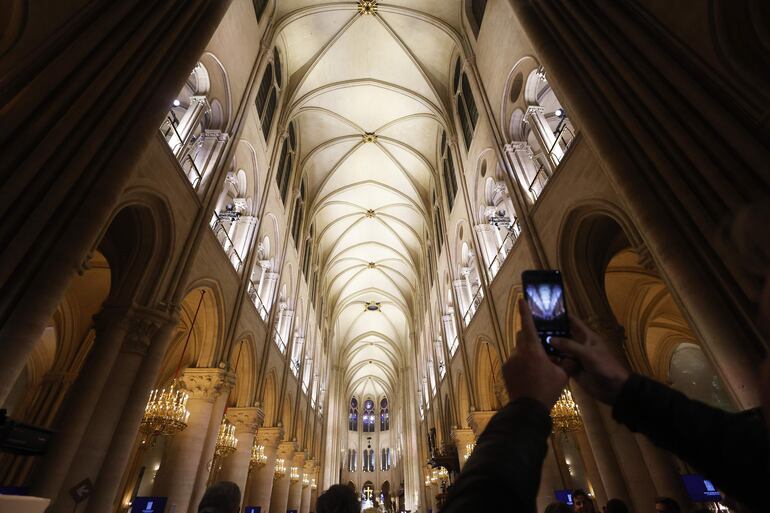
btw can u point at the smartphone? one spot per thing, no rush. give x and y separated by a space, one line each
544 292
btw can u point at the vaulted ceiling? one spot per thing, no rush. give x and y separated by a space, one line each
369 96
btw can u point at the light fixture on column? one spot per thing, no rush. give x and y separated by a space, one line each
565 414
313 484
427 481
227 443
166 411
468 450
280 468
226 440
258 456
442 474
305 480
294 474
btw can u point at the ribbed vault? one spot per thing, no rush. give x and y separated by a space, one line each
368 95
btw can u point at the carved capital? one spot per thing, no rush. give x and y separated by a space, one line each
269 437
206 384
286 451
517 146
533 110
462 437
140 332
245 420
478 420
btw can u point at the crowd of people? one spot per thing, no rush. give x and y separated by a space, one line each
730 449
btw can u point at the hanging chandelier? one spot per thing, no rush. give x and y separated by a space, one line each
258 456
313 484
565 414
294 474
468 450
280 468
166 410
226 440
442 474
305 480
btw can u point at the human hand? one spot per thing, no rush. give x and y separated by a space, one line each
529 372
591 363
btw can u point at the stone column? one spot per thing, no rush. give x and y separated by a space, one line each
295 488
535 118
609 471
280 495
111 325
205 155
108 413
313 498
189 452
463 437
271 280
236 466
309 471
117 459
520 156
589 464
463 294
198 107
261 478
618 106
550 479
478 421
124 63
663 472
638 481
489 246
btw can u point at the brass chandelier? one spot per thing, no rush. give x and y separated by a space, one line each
565 414
280 468
227 443
166 410
226 440
258 456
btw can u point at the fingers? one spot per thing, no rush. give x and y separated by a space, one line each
527 338
578 328
570 365
571 348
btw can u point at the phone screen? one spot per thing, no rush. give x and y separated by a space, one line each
545 295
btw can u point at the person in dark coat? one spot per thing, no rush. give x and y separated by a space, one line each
338 499
503 472
222 497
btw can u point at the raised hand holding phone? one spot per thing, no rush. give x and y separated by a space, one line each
544 292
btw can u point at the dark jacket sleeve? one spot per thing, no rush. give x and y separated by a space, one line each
730 449
503 473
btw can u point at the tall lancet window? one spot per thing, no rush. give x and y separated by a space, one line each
353 415
368 416
384 415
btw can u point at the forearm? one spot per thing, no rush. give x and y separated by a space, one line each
715 442
506 462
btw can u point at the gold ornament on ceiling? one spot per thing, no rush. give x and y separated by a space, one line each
367 7
372 265
369 137
370 213
566 414
372 306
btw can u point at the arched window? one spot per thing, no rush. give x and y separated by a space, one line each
352 460
285 163
259 8
466 105
369 460
385 461
384 415
368 416
450 181
353 415
438 225
267 94
477 10
299 206
306 260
